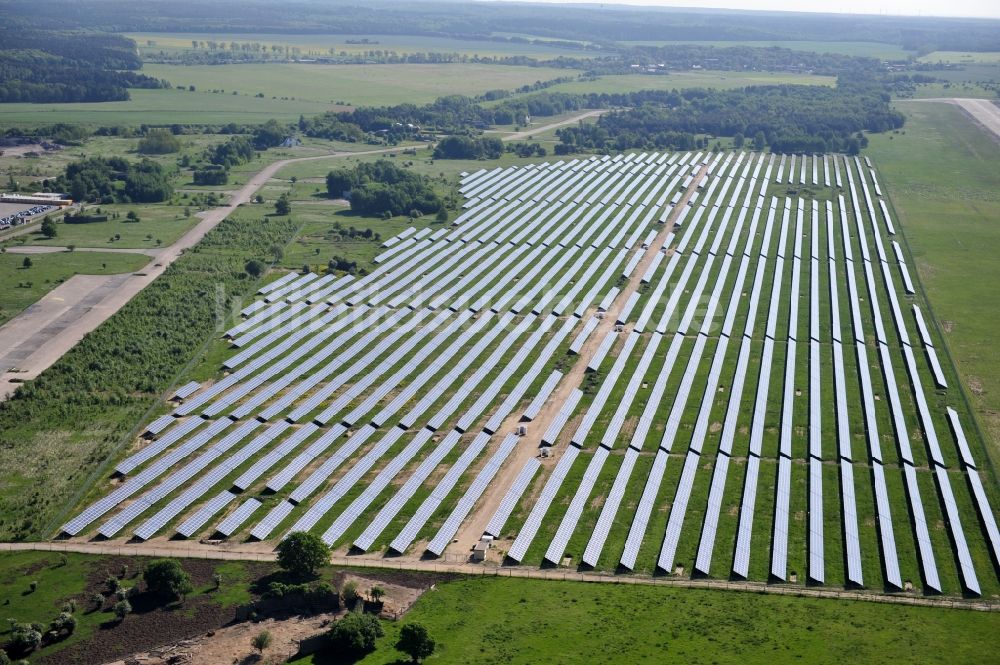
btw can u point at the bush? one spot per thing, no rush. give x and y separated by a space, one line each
282 206
464 147
356 633
48 228
24 637
100 179
254 268
349 593
167 578
381 188
211 175
301 553
64 623
261 641
159 142
122 609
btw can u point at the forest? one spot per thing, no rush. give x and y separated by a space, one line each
591 28
48 66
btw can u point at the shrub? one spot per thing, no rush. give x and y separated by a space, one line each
159 142
122 609
261 641
356 633
349 593
167 578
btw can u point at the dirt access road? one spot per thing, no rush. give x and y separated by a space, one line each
983 111
517 136
474 525
42 333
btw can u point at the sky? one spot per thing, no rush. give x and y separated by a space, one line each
976 8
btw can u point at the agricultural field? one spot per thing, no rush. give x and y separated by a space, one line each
26 285
326 45
961 57
861 49
353 85
164 107
681 80
686 364
229 93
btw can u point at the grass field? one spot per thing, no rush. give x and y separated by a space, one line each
26 169
863 49
163 107
938 90
680 80
321 45
354 85
496 620
24 286
289 90
961 57
942 177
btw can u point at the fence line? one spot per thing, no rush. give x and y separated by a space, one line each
488 570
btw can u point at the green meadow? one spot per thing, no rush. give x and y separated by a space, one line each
509 620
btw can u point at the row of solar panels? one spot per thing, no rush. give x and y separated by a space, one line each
304 429
557 547
881 496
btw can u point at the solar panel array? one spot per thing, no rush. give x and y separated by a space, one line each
365 402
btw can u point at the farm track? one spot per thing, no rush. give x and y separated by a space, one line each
236 553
